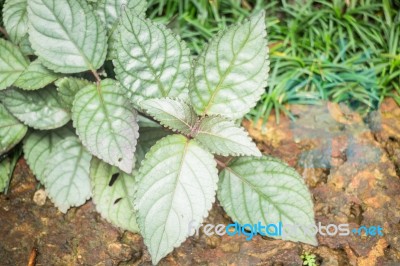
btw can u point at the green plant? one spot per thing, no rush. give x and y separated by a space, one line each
142 177
309 259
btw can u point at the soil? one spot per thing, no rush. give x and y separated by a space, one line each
350 164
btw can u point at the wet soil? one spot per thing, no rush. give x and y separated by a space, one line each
351 165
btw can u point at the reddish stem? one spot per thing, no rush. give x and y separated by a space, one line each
96 76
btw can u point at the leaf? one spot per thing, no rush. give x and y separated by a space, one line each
36 76
151 61
113 194
176 186
174 114
12 63
110 11
16 19
25 46
265 190
230 75
11 130
66 35
66 175
147 122
107 123
39 145
113 38
67 89
223 137
148 136
5 173
40 109
7 167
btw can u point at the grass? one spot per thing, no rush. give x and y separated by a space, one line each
320 50
197 21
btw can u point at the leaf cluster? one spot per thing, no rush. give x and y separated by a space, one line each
82 85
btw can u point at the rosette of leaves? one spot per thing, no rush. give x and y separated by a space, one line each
143 143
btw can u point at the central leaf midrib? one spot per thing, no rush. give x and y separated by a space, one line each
78 159
185 149
107 116
146 56
227 72
172 114
263 195
70 37
125 189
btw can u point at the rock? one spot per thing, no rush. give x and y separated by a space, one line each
40 197
213 241
120 252
231 247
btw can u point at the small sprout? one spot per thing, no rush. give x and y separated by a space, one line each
309 259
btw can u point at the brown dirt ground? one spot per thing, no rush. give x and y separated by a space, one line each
353 176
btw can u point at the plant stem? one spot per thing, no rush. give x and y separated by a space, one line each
96 76
221 164
3 30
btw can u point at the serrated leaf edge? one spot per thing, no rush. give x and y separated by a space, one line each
94 199
148 155
85 144
173 99
55 125
52 199
260 90
231 154
163 28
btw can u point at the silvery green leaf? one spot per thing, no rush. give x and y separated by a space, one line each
107 123
221 136
11 130
113 38
231 73
40 109
39 145
25 46
16 19
67 89
36 76
5 173
66 35
12 63
176 186
146 122
66 175
174 114
148 136
110 11
151 61
266 190
113 194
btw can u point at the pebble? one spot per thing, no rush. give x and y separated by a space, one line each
40 197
